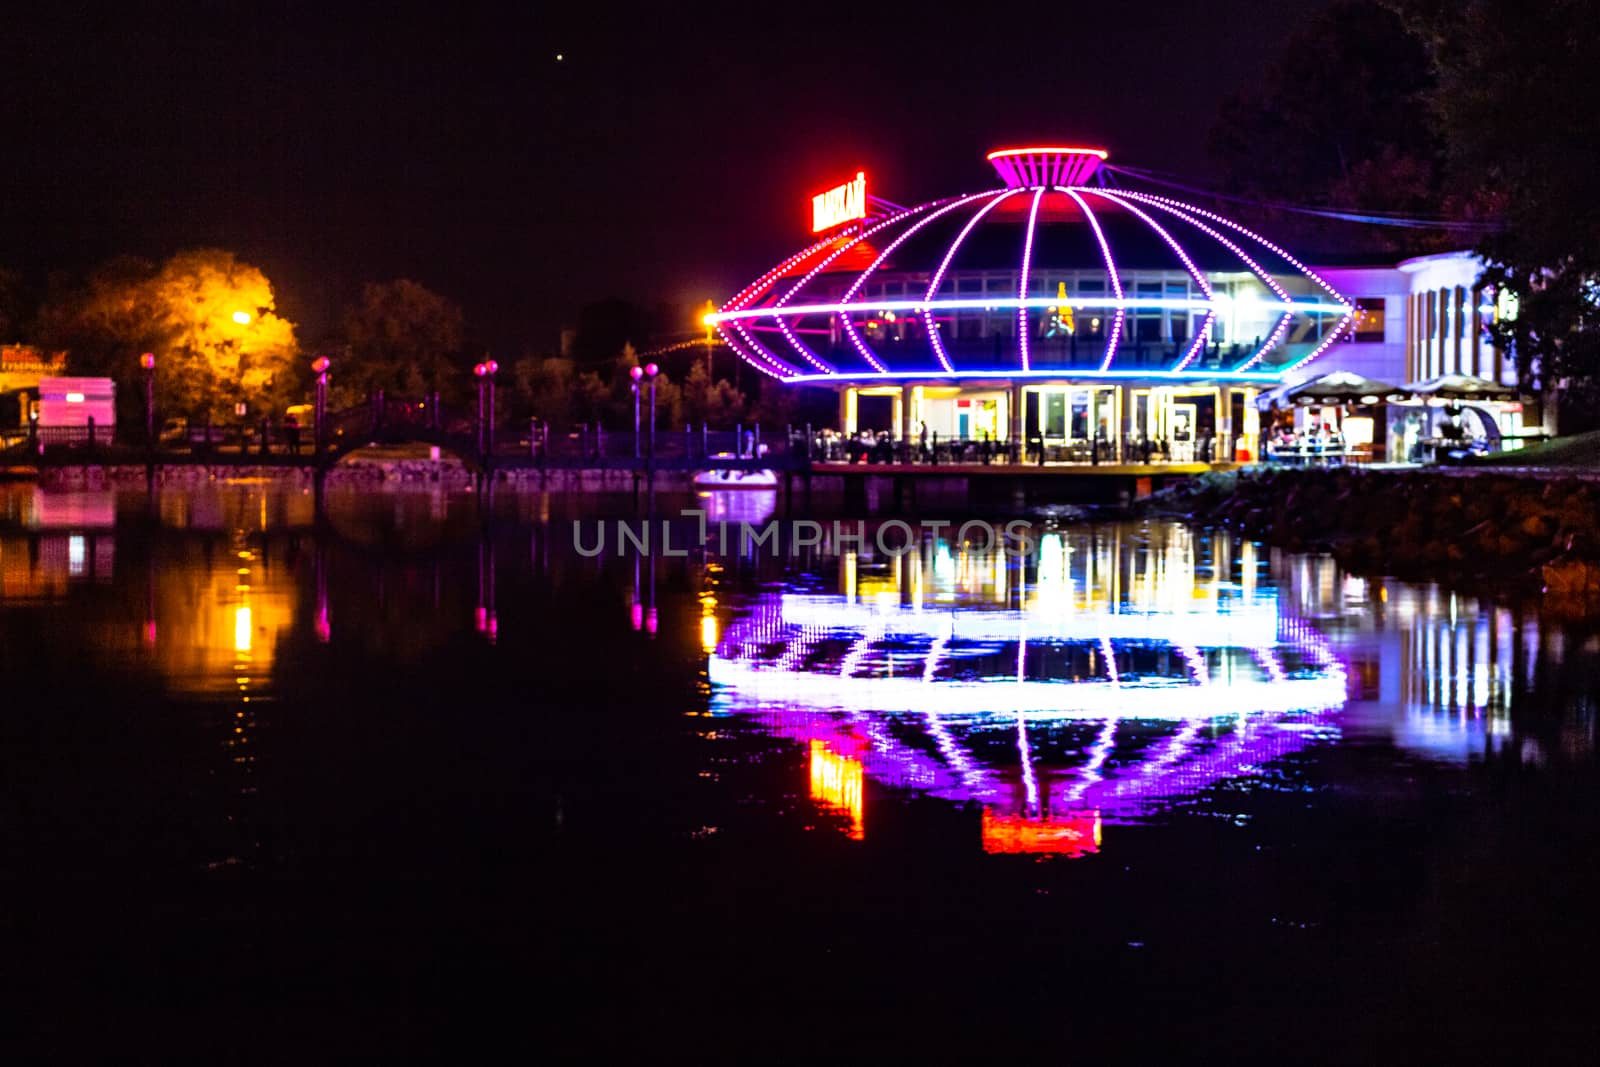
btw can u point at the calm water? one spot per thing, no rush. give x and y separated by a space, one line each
410 781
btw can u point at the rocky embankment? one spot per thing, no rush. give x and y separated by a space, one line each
1481 531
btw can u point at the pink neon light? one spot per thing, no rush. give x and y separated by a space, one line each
844 318
1042 149
1204 331
835 254
1111 272
1266 279
1045 165
944 265
1301 267
1022 291
756 351
750 357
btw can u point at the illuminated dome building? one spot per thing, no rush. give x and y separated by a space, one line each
1051 306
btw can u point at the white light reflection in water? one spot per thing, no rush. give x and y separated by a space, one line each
1106 676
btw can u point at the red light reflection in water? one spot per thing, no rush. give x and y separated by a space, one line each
1070 835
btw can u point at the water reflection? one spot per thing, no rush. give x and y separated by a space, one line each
1110 675
1086 682
1440 673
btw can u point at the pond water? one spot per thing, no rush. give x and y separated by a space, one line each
423 772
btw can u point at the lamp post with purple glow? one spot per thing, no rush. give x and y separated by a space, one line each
651 370
485 372
636 373
148 362
319 411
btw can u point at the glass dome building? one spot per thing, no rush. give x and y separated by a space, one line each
1051 309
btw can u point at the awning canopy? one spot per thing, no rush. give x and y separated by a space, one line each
1340 387
1462 387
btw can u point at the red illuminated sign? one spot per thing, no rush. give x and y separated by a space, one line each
842 203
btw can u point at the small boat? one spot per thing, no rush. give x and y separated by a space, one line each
729 478
735 479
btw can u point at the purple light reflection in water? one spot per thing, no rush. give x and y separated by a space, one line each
1155 740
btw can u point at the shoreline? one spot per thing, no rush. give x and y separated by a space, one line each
1495 532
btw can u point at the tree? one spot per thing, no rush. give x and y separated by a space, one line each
711 403
604 328
15 313
1514 97
405 339
210 320
1339 120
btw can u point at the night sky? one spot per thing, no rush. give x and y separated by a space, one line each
668 156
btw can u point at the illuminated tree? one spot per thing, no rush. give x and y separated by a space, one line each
209 319
224 343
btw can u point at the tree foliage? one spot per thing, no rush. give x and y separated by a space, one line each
1346 90
405 339
1338 120
1515 96
209 319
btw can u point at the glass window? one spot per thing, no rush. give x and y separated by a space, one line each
1055 414
1147 328
1368 325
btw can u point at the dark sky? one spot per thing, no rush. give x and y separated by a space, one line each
668 156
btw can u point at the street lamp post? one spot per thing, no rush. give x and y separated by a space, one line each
711 334
319 411
636 373
651 370
148 362
485 373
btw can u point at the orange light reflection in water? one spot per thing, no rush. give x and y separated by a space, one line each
837 787
1072 835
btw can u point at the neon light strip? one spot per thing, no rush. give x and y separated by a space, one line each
1022 285
1008 303
1244 627
938 275
1349 309
1038 701
1195 661
849 327
1051 375
1110 656
1111 272
749 355
1260 272
1029 783
1099 751
782 306
1043 149
750 293
1204 331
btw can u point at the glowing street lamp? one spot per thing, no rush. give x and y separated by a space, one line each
148 362
636 373
319 367
485 372
651 370
711 333
242 318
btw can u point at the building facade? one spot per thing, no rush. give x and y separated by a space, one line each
1050 311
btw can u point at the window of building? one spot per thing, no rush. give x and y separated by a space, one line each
1368 324
1148 320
